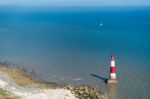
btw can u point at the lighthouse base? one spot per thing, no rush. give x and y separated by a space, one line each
112 81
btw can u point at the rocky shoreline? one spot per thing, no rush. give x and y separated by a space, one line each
85 92
25 80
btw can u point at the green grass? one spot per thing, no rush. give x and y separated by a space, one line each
7 95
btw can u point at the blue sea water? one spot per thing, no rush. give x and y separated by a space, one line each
69 45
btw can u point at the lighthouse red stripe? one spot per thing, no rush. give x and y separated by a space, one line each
112 69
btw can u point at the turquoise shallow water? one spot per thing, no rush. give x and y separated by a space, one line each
69 46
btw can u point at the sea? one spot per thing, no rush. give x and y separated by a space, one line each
73 45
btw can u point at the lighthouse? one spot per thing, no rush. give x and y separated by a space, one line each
112 77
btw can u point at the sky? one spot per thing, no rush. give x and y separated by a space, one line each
81 3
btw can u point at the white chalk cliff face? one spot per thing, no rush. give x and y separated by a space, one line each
31 93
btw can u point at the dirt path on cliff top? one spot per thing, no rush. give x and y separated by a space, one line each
30 93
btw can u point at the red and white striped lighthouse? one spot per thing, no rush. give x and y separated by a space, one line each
112 77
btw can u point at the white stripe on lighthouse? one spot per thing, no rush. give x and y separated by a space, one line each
112 63
113 76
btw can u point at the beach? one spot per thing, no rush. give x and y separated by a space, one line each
44 92
32 93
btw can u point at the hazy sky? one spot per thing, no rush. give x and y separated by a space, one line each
74 2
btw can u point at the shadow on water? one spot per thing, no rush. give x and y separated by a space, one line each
111 88
99 77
